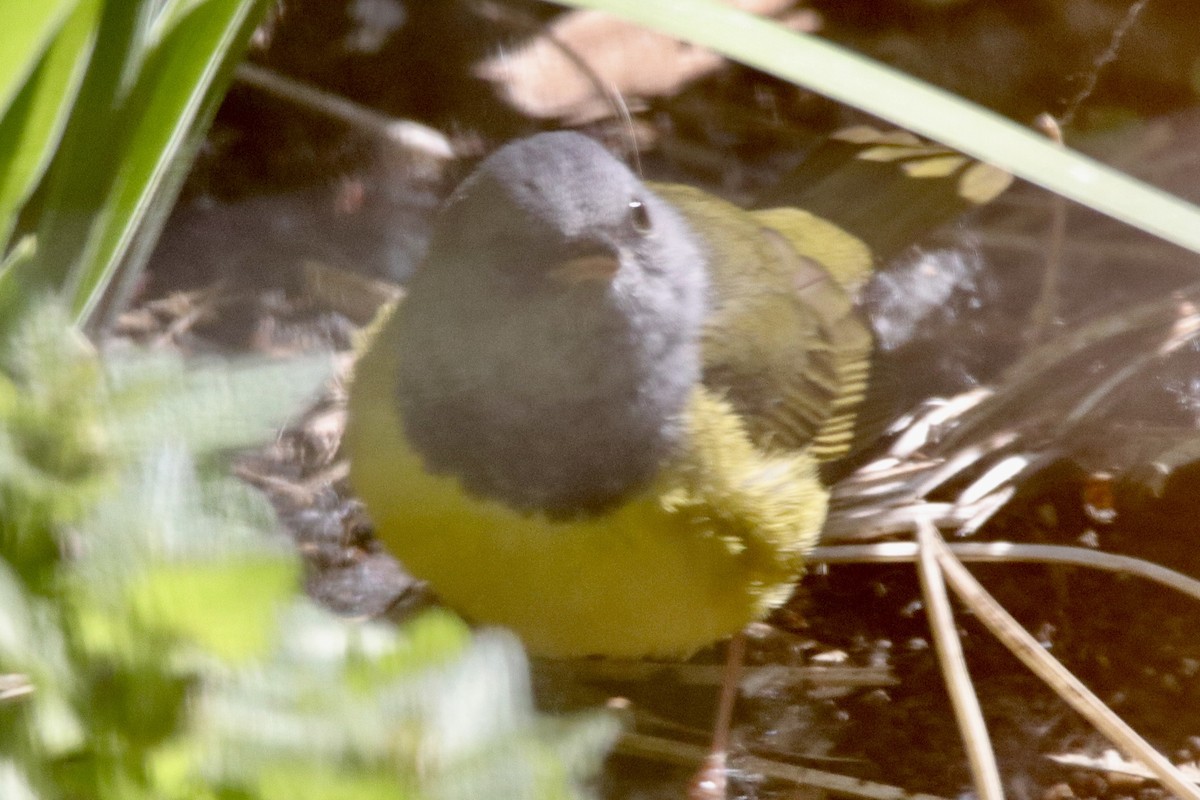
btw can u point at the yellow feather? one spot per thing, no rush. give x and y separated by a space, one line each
715 543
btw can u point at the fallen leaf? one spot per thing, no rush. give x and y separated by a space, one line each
583 58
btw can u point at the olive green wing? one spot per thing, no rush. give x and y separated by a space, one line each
886 187
782 342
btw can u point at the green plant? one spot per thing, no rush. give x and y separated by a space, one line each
102 103
153 643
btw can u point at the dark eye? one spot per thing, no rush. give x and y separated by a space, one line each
639 216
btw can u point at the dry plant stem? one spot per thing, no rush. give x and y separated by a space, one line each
967 713
710 780
1049 670
15 686
1045 310
406 133
627 671
1103 60
1137 253
903 552
729 692
669 750
1110 763
871 524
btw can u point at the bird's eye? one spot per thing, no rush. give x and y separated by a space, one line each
639 216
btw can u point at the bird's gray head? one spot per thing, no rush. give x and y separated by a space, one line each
551 339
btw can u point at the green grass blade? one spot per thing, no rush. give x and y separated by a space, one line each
74 195
16 262
153 83
32 127
129 264
849 78
28 27
178 87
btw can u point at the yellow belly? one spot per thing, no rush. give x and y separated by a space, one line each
716 543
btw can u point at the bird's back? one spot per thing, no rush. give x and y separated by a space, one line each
783 341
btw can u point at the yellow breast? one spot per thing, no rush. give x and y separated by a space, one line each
715 543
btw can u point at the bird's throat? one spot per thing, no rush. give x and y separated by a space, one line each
567 428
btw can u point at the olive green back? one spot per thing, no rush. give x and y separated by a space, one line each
783 341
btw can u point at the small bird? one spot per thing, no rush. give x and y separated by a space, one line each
597 415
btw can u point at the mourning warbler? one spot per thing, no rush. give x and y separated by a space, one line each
597 415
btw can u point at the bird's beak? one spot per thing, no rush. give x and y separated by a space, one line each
595 267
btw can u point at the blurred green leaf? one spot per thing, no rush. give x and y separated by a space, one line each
152 85
168 110
81 173
27 30
22 648
13 783
52 460
305 780
439 636
130 568
13 268
184 554
212 405
228 608
31 127
457 724
32 645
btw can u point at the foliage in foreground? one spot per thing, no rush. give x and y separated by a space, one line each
152 644
101 102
